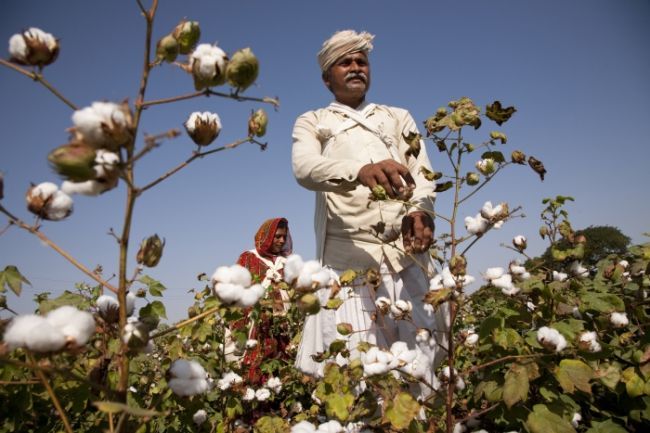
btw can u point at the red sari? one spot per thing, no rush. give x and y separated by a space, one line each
272 337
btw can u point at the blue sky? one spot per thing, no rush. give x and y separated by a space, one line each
576 71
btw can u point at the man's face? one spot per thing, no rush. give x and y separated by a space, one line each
279 240
349 77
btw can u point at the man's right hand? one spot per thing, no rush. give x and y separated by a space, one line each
388 173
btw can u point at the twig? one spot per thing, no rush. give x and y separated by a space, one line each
179 325
184 164
38 77
504 359
55 247
151 142
485 182
6 228
19 382
53 396
479 413
209 92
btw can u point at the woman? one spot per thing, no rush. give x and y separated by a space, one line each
266 323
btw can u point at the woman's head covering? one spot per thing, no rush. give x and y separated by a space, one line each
341 43
264 238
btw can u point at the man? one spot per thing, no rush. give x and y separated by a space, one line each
342 152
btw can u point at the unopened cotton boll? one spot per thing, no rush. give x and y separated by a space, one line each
199 417
77 326
292 268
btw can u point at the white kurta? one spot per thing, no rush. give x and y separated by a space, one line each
330 146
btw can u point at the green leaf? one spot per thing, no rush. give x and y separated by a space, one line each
608 426
572 374
609 375
12 278
155 287
507 338
602 302
634 385
542 420
155 309
271 424
516 385
339 404
66 298
402 410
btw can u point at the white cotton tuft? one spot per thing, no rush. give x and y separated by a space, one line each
228 379
589 340
459 428
331 426
130 303
575 420
45 190
89 188
305 280
274 384
292 268
303 427
221 275
476 225
559 276
551 338
435 283
188 387
188 378
19 328
240 275
91 122
262 394
228 293
106 303
471 339
45 338
323 277
493 273
624 263
205 117
199 417
249 394
250 296
208 62
619 320
18 47
59 206
75 325
184 369
578 270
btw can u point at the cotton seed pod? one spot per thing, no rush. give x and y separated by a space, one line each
46 201
458 265
34 47
257 123
203 128
518 157
378 193
242 69
543 231
344 328
308 303
500 136
472 178
74 161
150 252
485 166
207 65
187 33
167 49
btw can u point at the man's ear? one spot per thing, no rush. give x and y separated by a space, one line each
326 79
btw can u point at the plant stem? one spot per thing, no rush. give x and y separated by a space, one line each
179 325
38 77
50 392
209 92
34 230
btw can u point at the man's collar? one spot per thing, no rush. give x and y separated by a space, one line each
363 109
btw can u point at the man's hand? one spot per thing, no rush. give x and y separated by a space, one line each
388 173
417 232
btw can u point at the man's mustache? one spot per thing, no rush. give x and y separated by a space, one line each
353 75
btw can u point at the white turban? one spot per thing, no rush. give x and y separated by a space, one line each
342 43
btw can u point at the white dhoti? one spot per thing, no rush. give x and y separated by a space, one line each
358 309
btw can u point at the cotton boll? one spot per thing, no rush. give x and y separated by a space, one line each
619 320
221 275
471 339
559 276
240 275
435 283
575 420
21 327
262 394
249 394
130 303
323 278
310 268
331 426
589 341
228 293
184 369
76 325
89 188
199 417
187 387
477 225
383 304
493 273
229 379
459 428
551 339
250 296
45 338
274 384
578 270
303 427
60 206
292 268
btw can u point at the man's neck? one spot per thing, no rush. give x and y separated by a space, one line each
354 104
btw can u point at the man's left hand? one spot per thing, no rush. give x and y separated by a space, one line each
417 232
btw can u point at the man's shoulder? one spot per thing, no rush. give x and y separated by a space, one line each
394 111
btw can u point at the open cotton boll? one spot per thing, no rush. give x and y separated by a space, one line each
551 338
184 369
619 320
578 270
45 190
303 427
274 384
249 394
493 273
228 293
250 296
476 225
310 268
228 379
89 188
323 277
331 426
199 417
130 303
188 387
45 338
559 276
262 394
292 267
240 275
77 326
19 328
60 206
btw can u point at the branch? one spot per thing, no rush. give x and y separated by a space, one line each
55 247
476 414
196 155
38 77
208 92
55 400
487 179
151 142
504 359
